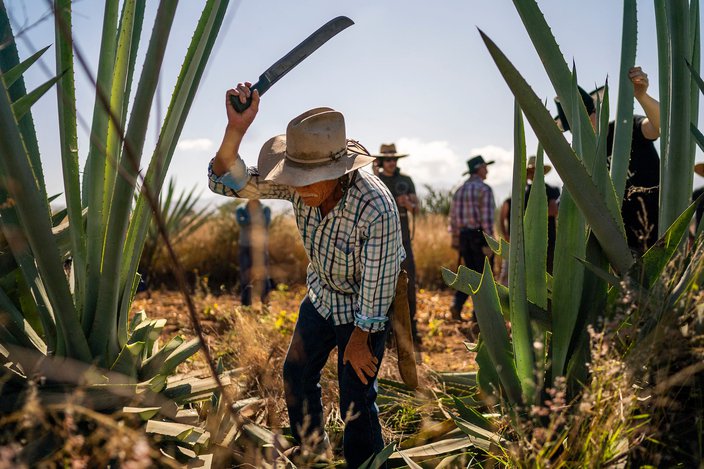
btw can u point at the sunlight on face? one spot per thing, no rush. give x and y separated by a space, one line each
314 194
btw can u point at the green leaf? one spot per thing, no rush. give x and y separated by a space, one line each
600 211
468 414
623 126
379 460
676 164
659 255
22 106
536 237
128 358
152 365
522 337
12 75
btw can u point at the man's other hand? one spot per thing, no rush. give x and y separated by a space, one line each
357 353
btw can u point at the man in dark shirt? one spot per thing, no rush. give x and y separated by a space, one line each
404 192
641 198
253 219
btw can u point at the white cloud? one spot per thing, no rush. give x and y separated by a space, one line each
196 144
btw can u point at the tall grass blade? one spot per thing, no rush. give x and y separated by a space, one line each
623 127
520 321
676 175
599 209
68 131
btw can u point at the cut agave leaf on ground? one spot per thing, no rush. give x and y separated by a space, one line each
437 448
180 432
484 437
471 415
408 460
431 433
145 413
379 460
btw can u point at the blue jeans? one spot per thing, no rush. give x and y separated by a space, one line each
313 339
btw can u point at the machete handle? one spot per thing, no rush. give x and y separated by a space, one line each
240 106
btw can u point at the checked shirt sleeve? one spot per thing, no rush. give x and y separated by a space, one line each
487 210
381 263
245 183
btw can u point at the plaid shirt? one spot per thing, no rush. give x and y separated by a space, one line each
355 251
472 207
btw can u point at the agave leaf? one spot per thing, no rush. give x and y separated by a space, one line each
491 323
559 73
658 256
94 173
484 437
68 131
17 326
379 460
22 106
522 337
145 413
696 77
35 220
623 127
676 164
601 273
663 43
437 448
601 212
470 415
127 360
698 136
182 433
536 237
17 71
114 325
432 432
186 86
153 364
409 461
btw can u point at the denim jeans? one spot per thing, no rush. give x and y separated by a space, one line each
313 339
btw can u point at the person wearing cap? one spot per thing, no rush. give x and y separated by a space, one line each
404 192
640 207
471 216
350 228
699 170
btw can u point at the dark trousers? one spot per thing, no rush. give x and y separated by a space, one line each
313 339
471 243
409 265
246 280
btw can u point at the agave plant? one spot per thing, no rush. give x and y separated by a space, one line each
592 258
67 290
181 219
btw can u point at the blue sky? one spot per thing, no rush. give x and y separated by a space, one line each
411 72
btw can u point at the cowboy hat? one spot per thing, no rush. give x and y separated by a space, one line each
314 148
531 165
474 163
388 150
699 169
589 100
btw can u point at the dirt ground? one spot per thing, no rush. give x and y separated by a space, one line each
443 341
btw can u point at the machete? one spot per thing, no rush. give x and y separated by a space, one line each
293 58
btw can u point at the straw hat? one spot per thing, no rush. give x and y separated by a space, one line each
315 148
699 169
388 150
531 165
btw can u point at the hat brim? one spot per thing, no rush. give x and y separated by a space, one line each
699 169
274 166
391 155
546 168
487 164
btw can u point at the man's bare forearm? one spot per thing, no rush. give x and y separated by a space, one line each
228 152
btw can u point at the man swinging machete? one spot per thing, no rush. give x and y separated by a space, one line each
350 228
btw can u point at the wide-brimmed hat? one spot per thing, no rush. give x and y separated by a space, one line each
589 100
531 165
315 148
475 162
388 150
699 169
